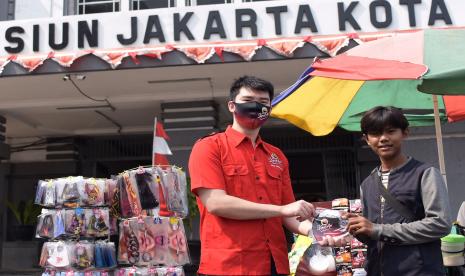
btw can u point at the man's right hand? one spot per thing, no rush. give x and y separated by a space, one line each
301 209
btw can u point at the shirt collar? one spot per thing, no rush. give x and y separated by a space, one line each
237 137
409 158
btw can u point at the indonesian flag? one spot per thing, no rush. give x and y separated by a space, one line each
159 152
160 146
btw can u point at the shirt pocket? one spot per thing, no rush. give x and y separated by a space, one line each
274 183
235 175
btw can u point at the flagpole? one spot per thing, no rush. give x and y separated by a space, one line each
440 146
153 142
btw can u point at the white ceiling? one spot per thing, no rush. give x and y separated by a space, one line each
30 102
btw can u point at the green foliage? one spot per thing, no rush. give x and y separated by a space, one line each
25 212
192 203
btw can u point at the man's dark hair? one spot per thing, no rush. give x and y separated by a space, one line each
250 82
379 118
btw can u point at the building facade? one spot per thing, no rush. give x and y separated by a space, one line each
82 80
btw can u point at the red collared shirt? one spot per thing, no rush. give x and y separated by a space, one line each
228 161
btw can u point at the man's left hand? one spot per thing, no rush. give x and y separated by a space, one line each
359 225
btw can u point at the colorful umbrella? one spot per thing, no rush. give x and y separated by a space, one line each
388 71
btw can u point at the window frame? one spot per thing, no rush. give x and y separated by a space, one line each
84 4
171 4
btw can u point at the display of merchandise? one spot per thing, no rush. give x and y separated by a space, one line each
151 271
350 260
70 272
153 241
358 249
144 188
81 214
72 192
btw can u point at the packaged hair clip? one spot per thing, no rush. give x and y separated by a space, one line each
92 191
59 229
175 187
105 255
159 228
144 179
112 199
46 224
171 271
181 197
46 193
146 239
125 207
132 245
131 199
82 255
160 176
74 222
50 224
55 255
128 244
97 222
70 196
177 242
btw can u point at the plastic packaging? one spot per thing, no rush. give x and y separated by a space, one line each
55 255
320 260
329 223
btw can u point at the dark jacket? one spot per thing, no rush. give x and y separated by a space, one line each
399 246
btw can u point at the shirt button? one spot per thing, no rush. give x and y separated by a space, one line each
259 198
257 177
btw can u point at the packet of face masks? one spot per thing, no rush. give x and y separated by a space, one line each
329 223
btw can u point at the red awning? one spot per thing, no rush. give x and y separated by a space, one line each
329 44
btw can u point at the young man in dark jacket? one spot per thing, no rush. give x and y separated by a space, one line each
401 240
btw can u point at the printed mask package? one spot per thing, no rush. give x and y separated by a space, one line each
329 223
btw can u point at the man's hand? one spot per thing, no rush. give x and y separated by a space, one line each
300 209
359 225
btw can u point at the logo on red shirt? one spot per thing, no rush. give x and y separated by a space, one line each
275 161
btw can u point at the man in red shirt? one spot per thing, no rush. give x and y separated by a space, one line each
244 191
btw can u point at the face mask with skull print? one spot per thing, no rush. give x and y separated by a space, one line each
251 115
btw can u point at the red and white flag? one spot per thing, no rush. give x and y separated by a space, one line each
160 146
159 152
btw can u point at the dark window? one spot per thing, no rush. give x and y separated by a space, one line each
211 2
97 6
151 4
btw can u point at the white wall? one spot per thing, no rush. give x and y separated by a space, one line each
422 146
27 9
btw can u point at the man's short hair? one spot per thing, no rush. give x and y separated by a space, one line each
379 118
253 83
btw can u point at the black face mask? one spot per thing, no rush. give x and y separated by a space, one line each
251 115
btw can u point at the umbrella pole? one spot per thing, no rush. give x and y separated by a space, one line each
437 125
